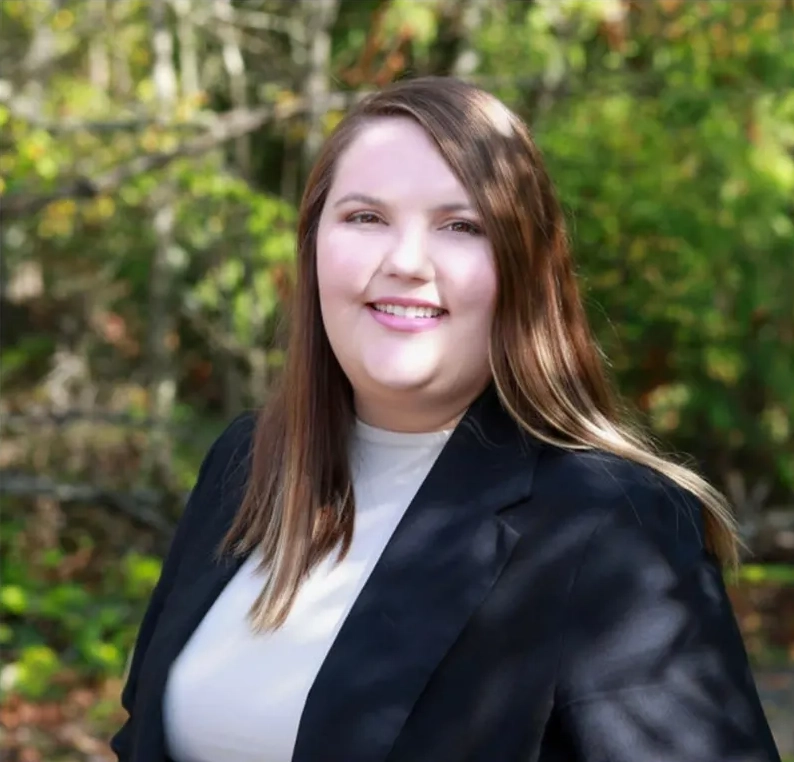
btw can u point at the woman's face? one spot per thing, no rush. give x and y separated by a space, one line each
407 279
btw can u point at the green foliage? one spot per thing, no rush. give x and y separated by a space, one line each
780 574
674 156
56 624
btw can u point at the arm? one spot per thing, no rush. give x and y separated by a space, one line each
121 743
654 668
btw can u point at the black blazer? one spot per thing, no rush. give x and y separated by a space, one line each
533 604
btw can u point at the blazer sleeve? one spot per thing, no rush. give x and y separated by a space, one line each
121 742
653 666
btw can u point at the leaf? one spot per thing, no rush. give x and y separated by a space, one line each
13 599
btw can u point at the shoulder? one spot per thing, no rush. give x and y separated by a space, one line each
223 471
617 502
216 491
230 451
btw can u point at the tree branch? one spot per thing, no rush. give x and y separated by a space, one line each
231 125
66 417
120 125
139 505
258 20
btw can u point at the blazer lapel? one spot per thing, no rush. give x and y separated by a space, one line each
440 563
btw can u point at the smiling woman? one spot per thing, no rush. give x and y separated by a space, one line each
439 540
399 234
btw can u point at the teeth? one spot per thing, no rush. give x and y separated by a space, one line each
409 312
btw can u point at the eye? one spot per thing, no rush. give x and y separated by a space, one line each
363 218
464 226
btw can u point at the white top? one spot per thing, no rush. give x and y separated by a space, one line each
236 696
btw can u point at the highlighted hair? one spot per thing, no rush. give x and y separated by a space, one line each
298 505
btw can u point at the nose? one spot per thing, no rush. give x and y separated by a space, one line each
407 256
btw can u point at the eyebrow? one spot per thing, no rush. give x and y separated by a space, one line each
456 206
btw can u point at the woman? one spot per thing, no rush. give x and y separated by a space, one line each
438 541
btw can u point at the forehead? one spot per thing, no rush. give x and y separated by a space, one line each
394 157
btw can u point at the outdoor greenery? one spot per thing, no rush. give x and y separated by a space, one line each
152 155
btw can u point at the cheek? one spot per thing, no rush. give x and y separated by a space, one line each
473 283
344 266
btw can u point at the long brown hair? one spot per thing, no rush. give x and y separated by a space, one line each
298 505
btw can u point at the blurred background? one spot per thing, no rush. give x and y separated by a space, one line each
152 154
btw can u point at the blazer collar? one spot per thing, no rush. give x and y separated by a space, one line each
438 566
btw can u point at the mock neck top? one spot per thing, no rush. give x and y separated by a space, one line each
234 695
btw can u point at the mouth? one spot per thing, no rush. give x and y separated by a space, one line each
409 312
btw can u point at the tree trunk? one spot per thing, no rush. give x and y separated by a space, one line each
164 267
453 52
320 16
98 50
120 75
467 59
234 64
188 50
38 54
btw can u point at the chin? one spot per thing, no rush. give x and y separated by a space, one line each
400 379
404 383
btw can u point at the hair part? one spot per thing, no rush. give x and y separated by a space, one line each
298 504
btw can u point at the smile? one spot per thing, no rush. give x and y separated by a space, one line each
408 311
407 318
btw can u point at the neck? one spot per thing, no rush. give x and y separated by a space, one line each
413 416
